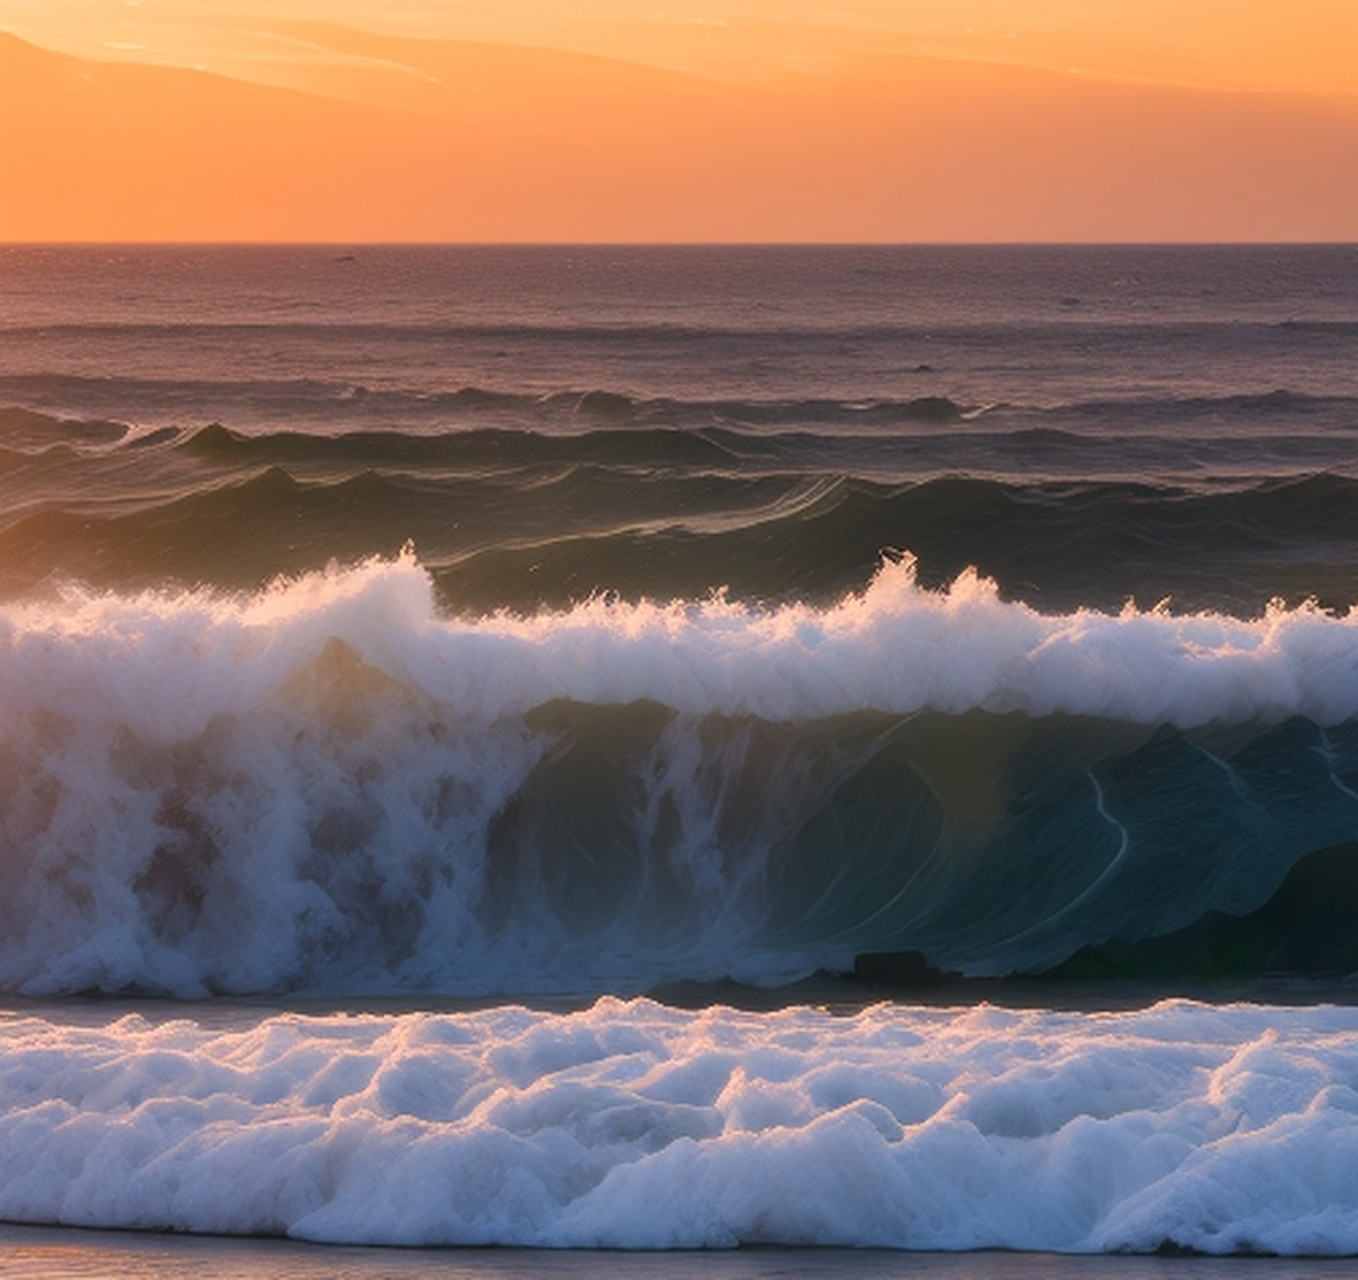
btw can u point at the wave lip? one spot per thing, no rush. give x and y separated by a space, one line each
628 1125
895 647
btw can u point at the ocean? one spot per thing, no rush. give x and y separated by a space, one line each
681 748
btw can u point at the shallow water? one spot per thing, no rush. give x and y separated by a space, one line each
46 1253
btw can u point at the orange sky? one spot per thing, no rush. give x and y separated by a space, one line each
729 120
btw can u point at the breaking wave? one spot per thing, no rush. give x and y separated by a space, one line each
333 785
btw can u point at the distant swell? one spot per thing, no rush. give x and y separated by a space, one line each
329 786
354 405
314 404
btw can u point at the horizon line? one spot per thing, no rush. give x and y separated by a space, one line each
679 244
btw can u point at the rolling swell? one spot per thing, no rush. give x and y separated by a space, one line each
313 405
330 787
525 520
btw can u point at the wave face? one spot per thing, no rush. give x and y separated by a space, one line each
628 1125
333 786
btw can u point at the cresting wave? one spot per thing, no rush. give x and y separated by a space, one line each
320 408
315 402
628 1125
895 647
330 785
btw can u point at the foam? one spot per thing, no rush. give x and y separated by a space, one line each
895 647
631 1125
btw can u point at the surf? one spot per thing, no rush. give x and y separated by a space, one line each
338 784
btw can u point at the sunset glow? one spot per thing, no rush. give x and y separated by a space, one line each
729 120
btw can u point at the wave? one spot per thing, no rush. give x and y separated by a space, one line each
344 425
524 520
24 430
486 447
1280 399
628 1125
322 406
331 785
325 405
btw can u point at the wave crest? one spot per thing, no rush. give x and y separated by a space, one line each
895 647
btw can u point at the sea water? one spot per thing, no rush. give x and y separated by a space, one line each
512 634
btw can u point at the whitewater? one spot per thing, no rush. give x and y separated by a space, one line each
332 785
631 1125
896 647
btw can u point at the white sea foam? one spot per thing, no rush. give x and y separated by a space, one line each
164 664
632 1125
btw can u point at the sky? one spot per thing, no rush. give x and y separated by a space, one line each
1272 45
679 119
